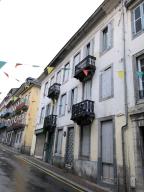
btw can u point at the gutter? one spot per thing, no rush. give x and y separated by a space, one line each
124 127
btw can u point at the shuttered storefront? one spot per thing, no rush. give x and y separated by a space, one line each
40 140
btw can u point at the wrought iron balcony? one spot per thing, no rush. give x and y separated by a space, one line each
54 91
83 112
50 123
85 70
21 107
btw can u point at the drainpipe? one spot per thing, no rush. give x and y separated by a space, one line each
125 98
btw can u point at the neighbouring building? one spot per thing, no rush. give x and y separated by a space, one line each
20 116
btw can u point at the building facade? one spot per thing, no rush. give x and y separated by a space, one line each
20 112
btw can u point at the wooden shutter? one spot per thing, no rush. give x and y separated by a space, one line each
69 100
106 83
92 47
85 141
110 35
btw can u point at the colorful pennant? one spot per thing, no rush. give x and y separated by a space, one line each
85 71
18 64
50 69
35 66
2 63
6 74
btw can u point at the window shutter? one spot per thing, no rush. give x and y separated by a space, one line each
69 101
107 142
110 34
92 47
75 95
143 16
133 23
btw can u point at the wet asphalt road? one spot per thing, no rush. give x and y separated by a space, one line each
18 176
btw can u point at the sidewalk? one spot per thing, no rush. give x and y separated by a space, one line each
61 174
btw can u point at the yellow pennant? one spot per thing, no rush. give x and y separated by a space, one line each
14 98
120 74
50 69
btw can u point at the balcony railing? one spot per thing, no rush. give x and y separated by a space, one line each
54 91
85 70
21 107
50 123
83 112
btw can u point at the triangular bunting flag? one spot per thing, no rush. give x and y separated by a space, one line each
18 64
85 71
50 69
35 66
2 63
120 74
6 74
17 80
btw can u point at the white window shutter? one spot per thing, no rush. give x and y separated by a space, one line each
75 95
69 101
110 34
92 47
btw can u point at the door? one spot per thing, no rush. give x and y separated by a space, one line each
69 148
50 147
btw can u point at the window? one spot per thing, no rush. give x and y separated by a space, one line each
66 72
42 115
48 109
72 98
62 104
46 89
58 78
52 81
138 19
106 84
59 141
107 36
87 90
76 61
85 141
107 151
140 68
89 48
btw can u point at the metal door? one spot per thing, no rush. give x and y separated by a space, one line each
69 148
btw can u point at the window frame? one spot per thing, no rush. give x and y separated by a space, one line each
112 84
81 156
60 104
56 144
45 88
41 115
135 77
78 53
109 41
64 72
134 34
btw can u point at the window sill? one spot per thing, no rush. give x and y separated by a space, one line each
140 101
58 154
105 51
134 36
106 98
86 158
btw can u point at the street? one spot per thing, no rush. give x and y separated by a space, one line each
16 175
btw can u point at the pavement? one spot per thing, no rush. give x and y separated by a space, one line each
70 181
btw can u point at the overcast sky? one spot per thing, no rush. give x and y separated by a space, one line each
33 31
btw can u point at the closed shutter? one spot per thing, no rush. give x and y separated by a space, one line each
75 95
59 141
110 35
92 47
69 100
107 151
76 61
85 141
58 80
87 90
106 79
